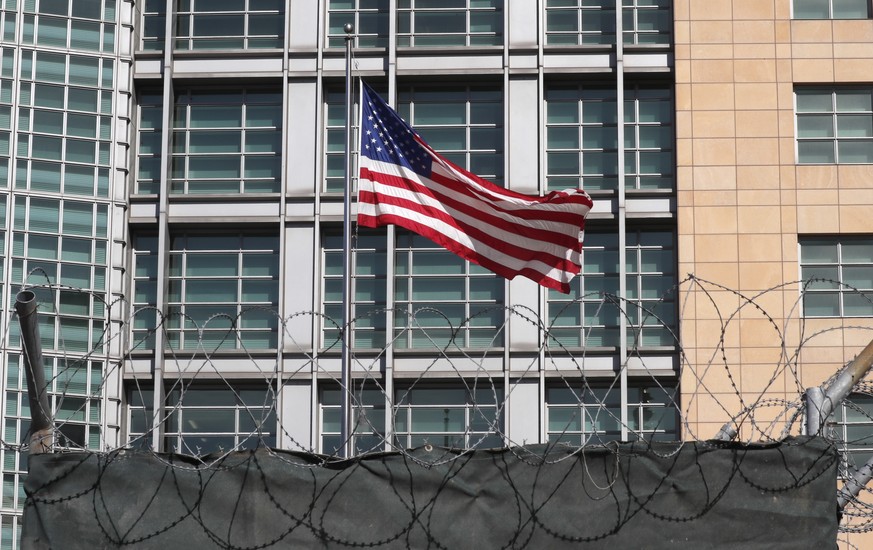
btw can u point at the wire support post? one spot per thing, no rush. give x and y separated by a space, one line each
854 484
821 402
41 425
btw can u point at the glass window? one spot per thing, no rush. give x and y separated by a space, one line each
63 242
463 124
443 301
647 22
88 26
7 74
592 415
834 125
580 22
370 18
590 314
453 417
223 292
154 24
149 142
369 284
837 275
852 426
335 140
64 139
203 419
368 412
582 138
831 9
75 397
226 142
592 22
449 23
75 388
145 319
241 24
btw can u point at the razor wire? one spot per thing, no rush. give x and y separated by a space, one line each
769 411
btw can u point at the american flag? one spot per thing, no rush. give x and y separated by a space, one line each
405 182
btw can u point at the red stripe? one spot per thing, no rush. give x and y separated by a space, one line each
559 239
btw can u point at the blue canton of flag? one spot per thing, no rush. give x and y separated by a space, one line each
388 138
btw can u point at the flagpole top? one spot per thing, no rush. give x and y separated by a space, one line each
348 28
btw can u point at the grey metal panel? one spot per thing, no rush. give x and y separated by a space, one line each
300 211
522 24
227 67
523 425
655 61
296 413
652 365
302 150
590 365
146 210
484 365
521 129
302 66
147 68
224 211
303 34
647 207
523 63
450 64
300 286
582 62
523 335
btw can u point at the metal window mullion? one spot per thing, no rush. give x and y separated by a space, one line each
621 214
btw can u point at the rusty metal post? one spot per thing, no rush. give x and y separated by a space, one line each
41 425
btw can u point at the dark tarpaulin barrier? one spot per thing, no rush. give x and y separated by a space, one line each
632 495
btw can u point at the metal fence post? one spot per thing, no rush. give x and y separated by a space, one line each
41 425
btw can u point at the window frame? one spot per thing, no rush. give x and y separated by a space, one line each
594 295
852 458
183 155
231 322
830 14
187 39
604 398
139 401
832 135
408 15
834 284
371 25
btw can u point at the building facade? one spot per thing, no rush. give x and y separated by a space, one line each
200 269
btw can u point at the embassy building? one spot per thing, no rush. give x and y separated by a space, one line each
173 172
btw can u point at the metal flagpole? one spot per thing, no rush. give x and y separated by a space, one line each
345 423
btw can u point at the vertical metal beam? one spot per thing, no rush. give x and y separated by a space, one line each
621 215
345 424
41 425
167 113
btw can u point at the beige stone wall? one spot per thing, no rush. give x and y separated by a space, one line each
743 200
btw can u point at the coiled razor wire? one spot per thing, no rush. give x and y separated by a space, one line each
771 413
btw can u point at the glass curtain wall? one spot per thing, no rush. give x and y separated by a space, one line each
59 106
